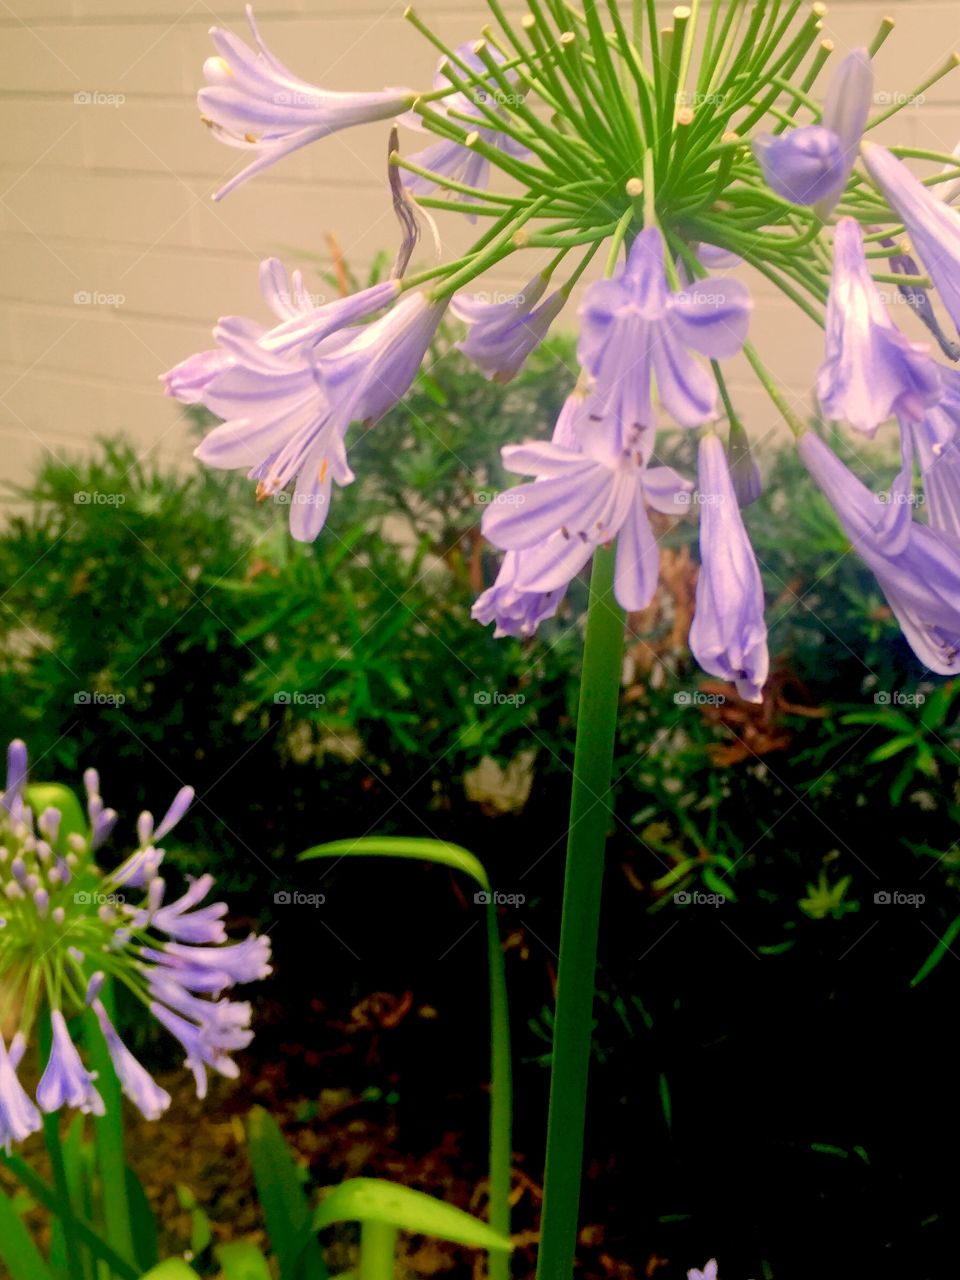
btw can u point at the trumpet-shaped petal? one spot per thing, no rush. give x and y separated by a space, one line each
253 102
503 332
932 225
811 165
135 1081
936 443
728 636
515 611
871 371
804 166
66 1081
635 330
18 1116
917 567
448 158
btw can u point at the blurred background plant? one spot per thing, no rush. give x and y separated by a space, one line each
160 623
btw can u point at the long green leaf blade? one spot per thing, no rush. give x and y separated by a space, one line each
371 1200
285 1205
17 1250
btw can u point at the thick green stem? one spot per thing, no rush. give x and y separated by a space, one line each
378 1242
573 1020
108 1135
74 1257
501 1099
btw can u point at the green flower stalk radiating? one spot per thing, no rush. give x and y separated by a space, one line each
66 927
718 139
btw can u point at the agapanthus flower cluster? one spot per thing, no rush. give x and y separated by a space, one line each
67 927
742 144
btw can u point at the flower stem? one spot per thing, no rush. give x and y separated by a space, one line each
573 1020
378 1242
108 1133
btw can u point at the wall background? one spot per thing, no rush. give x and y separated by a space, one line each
101 199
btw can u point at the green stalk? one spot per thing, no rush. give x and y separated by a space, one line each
501 1099
378 1242
51 1134
573 1020
108 1134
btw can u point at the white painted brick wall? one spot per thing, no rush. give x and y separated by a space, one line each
115 200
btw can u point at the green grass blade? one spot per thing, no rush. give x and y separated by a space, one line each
17 1250
285 1205
242 1261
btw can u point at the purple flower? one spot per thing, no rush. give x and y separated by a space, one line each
253 102
804 166
286 413
516 612
18 1116
936 444
135 1081
919 300
503 332
932 225
916 566
589 498
728 636
450 159
66 1081
871 371
187 380
811 165
174 955
635 330
180 921
709 1272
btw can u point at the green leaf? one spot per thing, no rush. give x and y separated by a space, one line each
201 1236
242 1261
17 1249
372 1200
142 1221
439 851
937 954
891 748
285 1205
